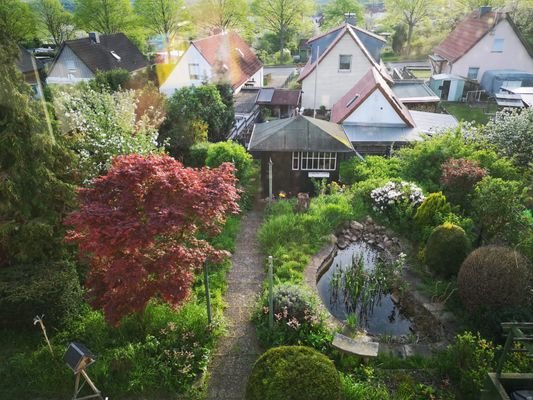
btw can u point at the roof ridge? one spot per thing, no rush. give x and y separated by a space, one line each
312 120
374 35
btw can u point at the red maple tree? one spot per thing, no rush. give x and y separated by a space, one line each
139 227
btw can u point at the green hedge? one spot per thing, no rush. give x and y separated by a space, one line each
29 290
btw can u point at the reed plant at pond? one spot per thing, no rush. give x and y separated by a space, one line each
361 287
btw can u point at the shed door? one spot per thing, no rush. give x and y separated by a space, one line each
445 90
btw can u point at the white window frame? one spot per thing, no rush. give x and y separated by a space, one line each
318 161
498 45
194 71
471 75
349 63
295 157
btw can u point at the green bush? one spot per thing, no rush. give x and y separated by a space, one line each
466 363
356 170
446 249
110 80
494 276
221 152
197 155
293 373
296 319
354 390
432 210
28 290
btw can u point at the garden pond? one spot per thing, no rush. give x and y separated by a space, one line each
355 285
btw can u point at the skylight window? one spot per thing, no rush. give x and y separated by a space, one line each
115 55
240 52
352 100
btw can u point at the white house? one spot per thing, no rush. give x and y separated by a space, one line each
339 58
485 40
375 120
79 60
219 58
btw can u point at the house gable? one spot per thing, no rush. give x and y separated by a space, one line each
375 110
332 83
499 49
181 74
68 68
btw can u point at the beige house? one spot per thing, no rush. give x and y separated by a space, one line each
485 40
339 59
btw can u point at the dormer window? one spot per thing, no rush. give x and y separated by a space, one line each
345 62
352 100
115 55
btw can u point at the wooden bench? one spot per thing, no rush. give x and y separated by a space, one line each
360 348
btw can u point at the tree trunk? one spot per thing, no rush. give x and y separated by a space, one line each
167 40
281 44
409 36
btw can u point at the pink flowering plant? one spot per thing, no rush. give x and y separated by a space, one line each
296 319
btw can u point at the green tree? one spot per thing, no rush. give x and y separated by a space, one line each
497 207
512 135
222 14
17 21
104 125
334 12
105 16
412 12
281 17
34 168
190 111
56 21
162 17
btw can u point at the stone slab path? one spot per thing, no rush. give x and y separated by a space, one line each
238 349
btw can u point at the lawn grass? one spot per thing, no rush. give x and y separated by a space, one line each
421 73
464 112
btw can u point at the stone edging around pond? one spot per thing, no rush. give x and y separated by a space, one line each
417 303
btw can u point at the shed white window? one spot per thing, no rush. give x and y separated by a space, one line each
472 72
295 161
497 45
317 161
345 62
194 71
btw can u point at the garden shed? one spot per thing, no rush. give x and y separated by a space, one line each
495 80
447 87
301 148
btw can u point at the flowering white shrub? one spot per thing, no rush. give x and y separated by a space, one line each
103 125
394 193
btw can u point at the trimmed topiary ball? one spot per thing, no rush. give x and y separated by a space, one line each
494 276
446 248
293 373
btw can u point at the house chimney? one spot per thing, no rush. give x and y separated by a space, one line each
350 18
94 37
484 10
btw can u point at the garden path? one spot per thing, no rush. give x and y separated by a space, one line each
238 349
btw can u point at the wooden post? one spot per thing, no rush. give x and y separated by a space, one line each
270 294
270 179
207 294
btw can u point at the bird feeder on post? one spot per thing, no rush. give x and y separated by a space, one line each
78 357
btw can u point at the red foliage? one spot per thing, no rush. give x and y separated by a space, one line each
139 226
461 174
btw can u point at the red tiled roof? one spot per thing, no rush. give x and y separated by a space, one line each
357 95
467 33
346 29
231 55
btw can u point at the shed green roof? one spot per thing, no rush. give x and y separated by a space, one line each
299 133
